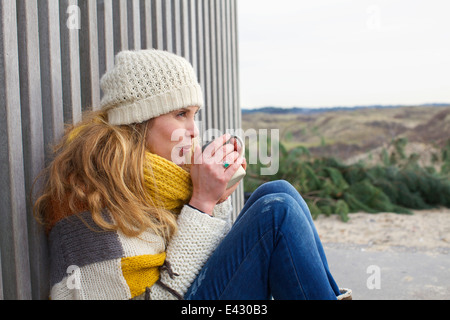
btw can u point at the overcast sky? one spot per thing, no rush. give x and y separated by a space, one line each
314 53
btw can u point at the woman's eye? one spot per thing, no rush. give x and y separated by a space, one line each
184 114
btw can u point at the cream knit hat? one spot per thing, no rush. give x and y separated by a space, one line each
146 84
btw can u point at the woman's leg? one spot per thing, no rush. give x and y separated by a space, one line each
282 186
270 251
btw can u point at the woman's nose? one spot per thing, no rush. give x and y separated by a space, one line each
192 130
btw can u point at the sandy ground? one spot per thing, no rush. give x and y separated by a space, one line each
411 252
427 231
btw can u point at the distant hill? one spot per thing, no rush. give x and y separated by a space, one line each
353 132
303 110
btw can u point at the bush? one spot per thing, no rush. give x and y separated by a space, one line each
330 187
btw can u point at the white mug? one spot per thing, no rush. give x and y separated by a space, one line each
240 173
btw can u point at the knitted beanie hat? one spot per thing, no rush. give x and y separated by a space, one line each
146 84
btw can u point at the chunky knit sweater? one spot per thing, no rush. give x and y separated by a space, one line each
88 263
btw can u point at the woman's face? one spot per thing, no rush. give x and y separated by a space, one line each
170 135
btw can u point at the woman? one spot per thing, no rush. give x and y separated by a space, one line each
132 212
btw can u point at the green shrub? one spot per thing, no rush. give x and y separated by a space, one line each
397 184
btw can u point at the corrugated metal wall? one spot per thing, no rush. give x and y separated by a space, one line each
52 55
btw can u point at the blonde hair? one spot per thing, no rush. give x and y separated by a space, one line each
97 165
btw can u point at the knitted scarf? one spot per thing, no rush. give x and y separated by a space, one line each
168 185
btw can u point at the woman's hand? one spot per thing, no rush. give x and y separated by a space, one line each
209 176
230 190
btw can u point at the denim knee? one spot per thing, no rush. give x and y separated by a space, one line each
281 206
283 186
276 191
278 186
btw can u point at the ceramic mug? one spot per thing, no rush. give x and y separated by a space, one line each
240 173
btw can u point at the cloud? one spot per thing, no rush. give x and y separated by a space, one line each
319 53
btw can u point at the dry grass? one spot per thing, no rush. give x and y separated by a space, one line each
353 133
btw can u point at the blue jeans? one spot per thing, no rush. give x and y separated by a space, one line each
272 250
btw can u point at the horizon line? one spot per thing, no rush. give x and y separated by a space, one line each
352 106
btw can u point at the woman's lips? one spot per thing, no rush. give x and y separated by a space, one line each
185 149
